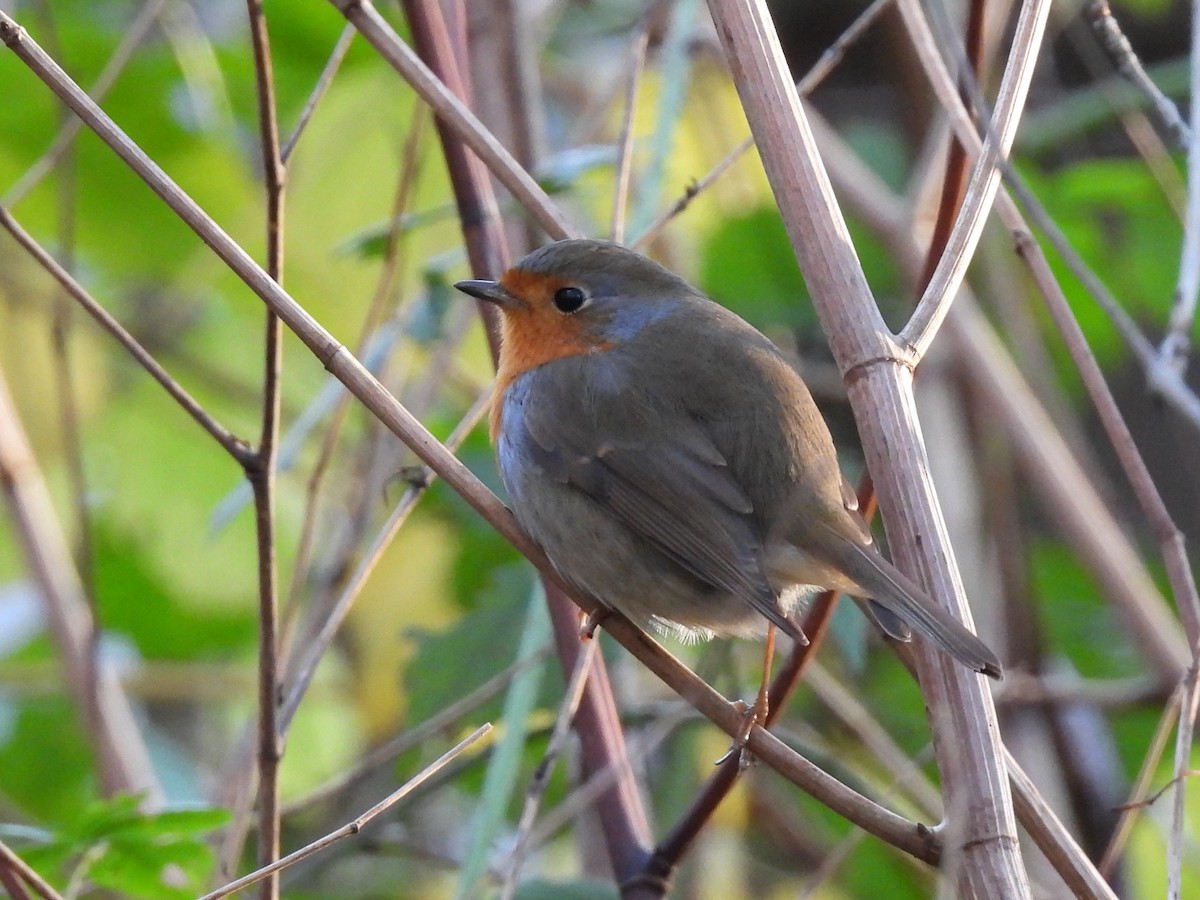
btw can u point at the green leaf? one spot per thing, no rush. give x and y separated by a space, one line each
750 268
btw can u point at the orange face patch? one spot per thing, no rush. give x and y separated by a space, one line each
535 332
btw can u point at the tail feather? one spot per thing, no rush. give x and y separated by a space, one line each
902 597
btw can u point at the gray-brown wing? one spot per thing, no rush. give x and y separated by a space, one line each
661 477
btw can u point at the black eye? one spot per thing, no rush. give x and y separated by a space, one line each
569 299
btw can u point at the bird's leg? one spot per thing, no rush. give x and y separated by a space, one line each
756 714
591 621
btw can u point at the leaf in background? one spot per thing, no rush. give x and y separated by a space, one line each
44 757
1076 618
486 636
500 782
136 602
157 856
1115 216
748 265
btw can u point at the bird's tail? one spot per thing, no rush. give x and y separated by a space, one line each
902 597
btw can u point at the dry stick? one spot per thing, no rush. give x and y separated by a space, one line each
985 180
541 775
303 665
874 738
455 114
637 65
260 468
17 865
1141 785
1120 52
908 836
392 265
1183 748
1053 838
131 39
414 737
353 827
1176 343
827 62
479 212
230 442
1163 379
1169 536
122 761
1151 619
345 39
962 716
1048 460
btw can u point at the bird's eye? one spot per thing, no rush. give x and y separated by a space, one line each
569 299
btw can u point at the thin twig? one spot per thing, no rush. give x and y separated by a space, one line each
355 826
336 56
1141 785
18 866
230 442
261 466
931 310
637 65
541 775
828 61
1171 540
1183 754
131 38
1123 58
1176 343
455 115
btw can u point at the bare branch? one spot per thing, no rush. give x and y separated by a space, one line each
454 113
355 826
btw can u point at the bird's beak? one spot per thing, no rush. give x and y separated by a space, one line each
491 291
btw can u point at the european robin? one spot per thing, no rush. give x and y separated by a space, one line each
671 463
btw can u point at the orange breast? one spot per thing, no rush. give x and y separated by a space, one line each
535 333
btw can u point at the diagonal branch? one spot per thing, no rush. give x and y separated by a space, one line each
456 116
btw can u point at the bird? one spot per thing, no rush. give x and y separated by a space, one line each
672 463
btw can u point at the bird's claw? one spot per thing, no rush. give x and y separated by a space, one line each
591 621
751 715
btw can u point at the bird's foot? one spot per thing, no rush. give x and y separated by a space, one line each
752 714
591 621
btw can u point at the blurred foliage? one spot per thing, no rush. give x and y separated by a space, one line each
448 605
113 845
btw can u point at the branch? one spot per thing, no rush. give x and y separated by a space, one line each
962 715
